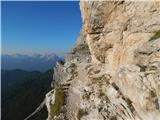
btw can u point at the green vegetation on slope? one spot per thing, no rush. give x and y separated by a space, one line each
59 101
155 36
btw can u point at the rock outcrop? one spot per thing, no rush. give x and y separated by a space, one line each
113 71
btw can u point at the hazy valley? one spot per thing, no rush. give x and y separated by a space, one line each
24 82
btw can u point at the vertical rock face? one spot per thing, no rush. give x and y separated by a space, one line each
113 71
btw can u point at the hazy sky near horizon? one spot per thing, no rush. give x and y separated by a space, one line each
38 27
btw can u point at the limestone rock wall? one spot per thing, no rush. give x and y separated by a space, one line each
113 71
119 35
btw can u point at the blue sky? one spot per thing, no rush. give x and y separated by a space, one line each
38 27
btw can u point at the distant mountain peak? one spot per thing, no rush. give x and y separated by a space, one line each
29 62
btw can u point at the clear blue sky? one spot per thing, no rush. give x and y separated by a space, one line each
36 27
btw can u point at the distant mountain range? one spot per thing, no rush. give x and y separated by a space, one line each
25 79
39 62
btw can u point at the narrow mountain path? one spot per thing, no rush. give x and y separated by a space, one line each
39 108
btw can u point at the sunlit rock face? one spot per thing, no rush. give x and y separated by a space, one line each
113 71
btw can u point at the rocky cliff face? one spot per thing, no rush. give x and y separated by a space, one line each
113 71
